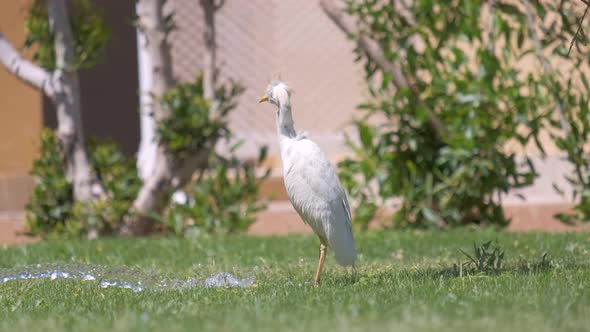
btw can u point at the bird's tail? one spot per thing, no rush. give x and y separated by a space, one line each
342 243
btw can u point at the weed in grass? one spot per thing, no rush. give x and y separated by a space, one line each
485 259
544 264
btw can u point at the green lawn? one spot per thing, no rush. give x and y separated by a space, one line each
404 281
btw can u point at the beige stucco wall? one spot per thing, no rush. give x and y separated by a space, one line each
20 117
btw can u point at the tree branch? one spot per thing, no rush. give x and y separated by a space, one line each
375 53
547 72
371 47
543 60
490 25
28 72
66 98
579 27
64 41
219 4
170 174
210 55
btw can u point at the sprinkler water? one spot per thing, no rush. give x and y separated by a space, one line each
124 277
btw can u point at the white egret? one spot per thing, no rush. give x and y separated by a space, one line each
312 184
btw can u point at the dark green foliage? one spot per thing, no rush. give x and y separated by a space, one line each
52 211
115 171
569 94
571 132
224 196
190 127
489 258
90 33
575 146
118 175
224 199
483 259
51 202
545 263
488 105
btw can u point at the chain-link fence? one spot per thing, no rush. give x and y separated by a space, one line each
261 38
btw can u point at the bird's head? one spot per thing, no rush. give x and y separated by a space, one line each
277 93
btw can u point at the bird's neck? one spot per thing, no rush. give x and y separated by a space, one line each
285 120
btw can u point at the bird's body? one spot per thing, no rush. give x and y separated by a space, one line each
317 196
312 184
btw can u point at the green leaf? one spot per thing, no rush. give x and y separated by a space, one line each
365 134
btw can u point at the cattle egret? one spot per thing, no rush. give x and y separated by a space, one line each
312 184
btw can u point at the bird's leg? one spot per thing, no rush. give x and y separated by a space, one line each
320 263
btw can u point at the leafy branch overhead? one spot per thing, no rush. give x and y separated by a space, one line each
90 38
454 108
375 53
193 126
580 32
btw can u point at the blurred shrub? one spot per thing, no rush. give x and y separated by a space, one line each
223 199
573 142
224 195
52 211
51 202
227 188
118 175
192 126
90 33
566 82
482 99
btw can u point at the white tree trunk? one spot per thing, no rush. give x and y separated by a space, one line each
62 87
148 147
155 192
146 156
24 70
170 172
67 102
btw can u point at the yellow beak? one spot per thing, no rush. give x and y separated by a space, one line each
263 99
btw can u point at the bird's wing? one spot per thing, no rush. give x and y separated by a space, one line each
315 171
346 208
318 196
